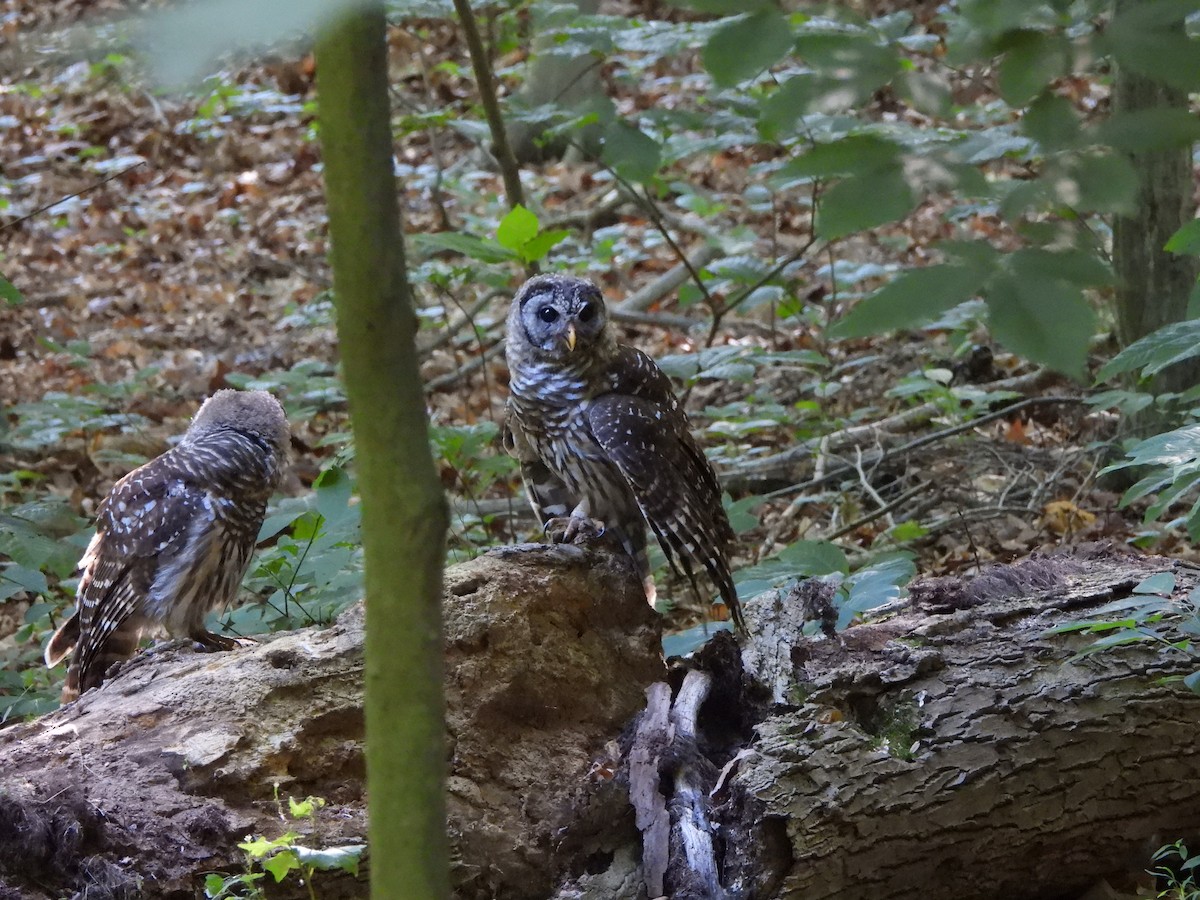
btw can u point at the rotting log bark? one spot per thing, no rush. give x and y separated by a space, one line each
953 749
141 787
956 749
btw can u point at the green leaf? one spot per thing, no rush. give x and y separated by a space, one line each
345 857
1079 267
722 7
864 201
1186 241
879 583
815 558
23 578
1046 321
780 112
537 247
1139 130
682 643
1104 182
1173 448
303 809
853 155
1052 122
1162 583
517 228
281 863
634 154
1156 351
855 65
927 92
744 47
466 244
9 292
908 531
911 298
1032 59
1150 38
257 848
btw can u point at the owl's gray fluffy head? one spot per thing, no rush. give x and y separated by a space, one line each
558 317
253 413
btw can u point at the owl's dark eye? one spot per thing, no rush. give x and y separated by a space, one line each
548 314
587 312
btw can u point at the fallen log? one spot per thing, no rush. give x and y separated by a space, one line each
141 788
955 748
959 748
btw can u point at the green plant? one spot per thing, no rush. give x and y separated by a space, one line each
313 570
1151 614
1177 872
280 856
518 238
9 292
40 540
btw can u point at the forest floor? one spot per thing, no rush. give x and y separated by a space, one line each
166 245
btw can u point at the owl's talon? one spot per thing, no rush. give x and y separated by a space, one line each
208 641
573 529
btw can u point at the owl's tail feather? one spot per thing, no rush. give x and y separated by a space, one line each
94 656
633 541
63 641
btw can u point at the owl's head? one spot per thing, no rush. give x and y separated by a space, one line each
558 315
254 413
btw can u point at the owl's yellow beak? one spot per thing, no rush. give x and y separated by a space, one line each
570 337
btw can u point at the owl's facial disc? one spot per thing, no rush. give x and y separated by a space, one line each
563 315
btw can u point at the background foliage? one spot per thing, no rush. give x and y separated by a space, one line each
953 172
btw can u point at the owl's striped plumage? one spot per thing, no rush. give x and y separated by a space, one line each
174 537
600 435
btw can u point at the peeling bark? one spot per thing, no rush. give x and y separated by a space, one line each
960 737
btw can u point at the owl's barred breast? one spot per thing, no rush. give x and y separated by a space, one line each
550 406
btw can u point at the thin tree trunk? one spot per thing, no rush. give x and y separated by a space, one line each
486 85
1154 285
570 82
404 510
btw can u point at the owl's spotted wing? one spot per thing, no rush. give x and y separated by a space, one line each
637 374
142 527
647 439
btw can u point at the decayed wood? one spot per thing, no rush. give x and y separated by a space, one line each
649 745
957 749
139 788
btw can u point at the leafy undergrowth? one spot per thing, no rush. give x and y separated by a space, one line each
165 245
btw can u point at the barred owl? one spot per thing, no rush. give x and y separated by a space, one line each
174 537
601 437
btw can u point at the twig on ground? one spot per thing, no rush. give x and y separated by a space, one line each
886 510
669 281
591 213
781 465
91 187
442 381
662 320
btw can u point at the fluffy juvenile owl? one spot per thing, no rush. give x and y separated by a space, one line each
601 437
174 537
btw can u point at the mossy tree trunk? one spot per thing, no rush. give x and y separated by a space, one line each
404 511
1154 285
